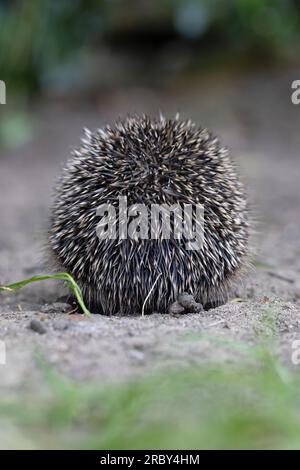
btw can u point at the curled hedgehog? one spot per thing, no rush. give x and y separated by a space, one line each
149 161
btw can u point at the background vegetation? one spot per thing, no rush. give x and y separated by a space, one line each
44 42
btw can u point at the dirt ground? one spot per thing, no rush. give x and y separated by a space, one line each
254 115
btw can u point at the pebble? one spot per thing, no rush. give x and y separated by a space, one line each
61 325
37 326
61 307
136 355
175 308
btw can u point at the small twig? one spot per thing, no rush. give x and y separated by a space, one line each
73 310
225 319
282 278
149 293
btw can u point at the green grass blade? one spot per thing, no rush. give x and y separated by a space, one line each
67 278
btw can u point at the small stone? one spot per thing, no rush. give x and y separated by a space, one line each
37 326
61 325
47 309
60 307
136 355
175 308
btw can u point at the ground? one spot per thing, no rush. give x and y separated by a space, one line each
255 117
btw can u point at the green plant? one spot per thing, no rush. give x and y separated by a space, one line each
67 278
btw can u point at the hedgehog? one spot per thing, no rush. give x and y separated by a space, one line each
149 161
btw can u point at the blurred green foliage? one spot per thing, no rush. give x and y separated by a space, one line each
38 35
212 406
15 129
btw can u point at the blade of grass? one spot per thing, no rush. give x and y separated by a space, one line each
67 278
